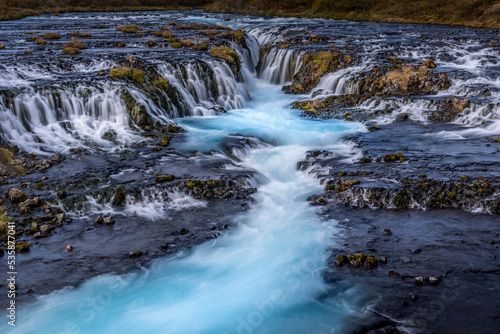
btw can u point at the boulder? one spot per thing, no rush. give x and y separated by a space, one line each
17 195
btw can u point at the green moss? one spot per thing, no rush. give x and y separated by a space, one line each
394 157
116 73
138 75
164 178
120 196
165 141
357 257
129 73
230 56
342 185
161 83
22 247
176 45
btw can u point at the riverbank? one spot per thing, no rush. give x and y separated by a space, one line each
458 13
462 13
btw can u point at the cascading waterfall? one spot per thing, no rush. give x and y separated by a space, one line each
279 65
265 275
337 83
60 118
204 87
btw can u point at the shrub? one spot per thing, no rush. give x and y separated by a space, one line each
209 33
51 35
161 83
40 41
164 34
71 51
116 73
203 46
129 29
75 45
128 73
176 45
138 75
83 34
187 42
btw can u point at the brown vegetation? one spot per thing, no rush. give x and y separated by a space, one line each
456 12
484 13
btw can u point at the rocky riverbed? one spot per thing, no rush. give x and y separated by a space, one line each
131 138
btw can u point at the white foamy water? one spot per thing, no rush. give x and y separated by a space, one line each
265 276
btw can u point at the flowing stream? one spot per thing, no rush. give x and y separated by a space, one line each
264 276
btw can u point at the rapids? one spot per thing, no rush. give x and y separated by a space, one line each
265 276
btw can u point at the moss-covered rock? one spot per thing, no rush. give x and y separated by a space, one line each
17 195
315 66
164 178
120 196
230 56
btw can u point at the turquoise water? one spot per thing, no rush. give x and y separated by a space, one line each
262 277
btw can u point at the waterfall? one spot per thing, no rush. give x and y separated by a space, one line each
205 87
279 65
60 118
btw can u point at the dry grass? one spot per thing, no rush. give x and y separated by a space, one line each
51 35
129 29
455 12
401 76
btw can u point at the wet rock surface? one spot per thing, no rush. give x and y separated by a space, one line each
440 265
411 165
85 216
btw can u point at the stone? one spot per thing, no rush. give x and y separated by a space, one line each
419 280
120 196
371 262
47 209
433 280
17 195
382 259
387 232
414 297
108 220
69 248
340 260
60 218
164 178
135 254
44 228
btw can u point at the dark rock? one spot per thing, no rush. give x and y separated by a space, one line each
17 195
120 196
